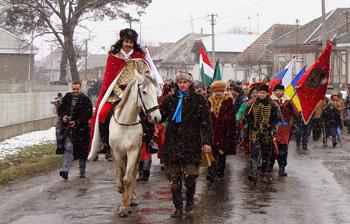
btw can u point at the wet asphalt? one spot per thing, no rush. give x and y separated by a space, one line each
315 191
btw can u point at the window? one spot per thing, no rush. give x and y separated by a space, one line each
281 62
343 63
298 64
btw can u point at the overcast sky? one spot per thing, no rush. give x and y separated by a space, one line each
169 20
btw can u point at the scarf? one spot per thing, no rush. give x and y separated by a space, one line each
177 117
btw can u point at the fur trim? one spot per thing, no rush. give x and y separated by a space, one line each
215 106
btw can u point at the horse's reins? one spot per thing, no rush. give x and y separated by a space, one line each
147 111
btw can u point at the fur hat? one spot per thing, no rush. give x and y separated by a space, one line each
263 87
183 76
128 34
218 86
235 87
279 86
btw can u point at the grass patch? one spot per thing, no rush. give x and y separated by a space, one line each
28 162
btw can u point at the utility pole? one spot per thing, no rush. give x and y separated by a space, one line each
297 21
140 33
212 23
323 23
257 29
192 27
86 54
249 30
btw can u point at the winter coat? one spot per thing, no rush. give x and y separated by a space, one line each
80 134
183 141
224 124
274 118
331 117
319 108
340 105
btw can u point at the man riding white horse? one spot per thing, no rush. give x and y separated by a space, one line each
125 58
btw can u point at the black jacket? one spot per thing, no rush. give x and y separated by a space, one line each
183 141
81 115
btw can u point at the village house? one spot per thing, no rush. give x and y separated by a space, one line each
16 62
256 62
183 55
305 44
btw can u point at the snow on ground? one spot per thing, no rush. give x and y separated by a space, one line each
13 145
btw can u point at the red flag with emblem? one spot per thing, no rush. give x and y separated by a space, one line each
312 86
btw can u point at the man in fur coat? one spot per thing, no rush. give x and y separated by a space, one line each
187 134
222 113
289 112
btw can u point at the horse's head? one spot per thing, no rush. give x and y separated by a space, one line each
147 97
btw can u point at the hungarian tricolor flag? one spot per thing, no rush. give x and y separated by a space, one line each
206 68
312 86
217 72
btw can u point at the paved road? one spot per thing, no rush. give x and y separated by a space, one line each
315 191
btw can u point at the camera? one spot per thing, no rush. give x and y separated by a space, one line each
69 118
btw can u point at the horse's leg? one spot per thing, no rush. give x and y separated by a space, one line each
133 184
119 171
132 156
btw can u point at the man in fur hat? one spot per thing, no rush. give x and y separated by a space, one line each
262 115
187 134
124 58
289 112
222 113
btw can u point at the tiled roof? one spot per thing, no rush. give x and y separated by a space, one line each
257 52
181 51
312 31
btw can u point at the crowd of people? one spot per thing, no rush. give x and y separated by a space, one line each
200 123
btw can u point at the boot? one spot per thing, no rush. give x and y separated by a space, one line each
254 170
177 213
177 199
304 147
146 174
146 167
141 176
191 189
64 174
282 172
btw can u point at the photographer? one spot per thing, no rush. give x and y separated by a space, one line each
75 112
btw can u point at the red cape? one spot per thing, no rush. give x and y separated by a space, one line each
113 68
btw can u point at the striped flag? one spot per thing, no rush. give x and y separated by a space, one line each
284 77
290 89
206 68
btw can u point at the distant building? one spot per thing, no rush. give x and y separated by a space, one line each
227 48
16 59
305 44
256 61
183 55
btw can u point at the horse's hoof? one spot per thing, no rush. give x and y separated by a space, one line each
123 215
133 204
120 190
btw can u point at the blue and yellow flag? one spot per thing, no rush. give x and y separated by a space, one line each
290 90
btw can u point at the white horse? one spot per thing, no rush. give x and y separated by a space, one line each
126 133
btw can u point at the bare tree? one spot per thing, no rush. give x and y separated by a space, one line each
60 18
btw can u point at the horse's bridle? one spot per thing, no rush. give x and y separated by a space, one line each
147 111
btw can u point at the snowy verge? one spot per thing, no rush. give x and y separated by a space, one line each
13 145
